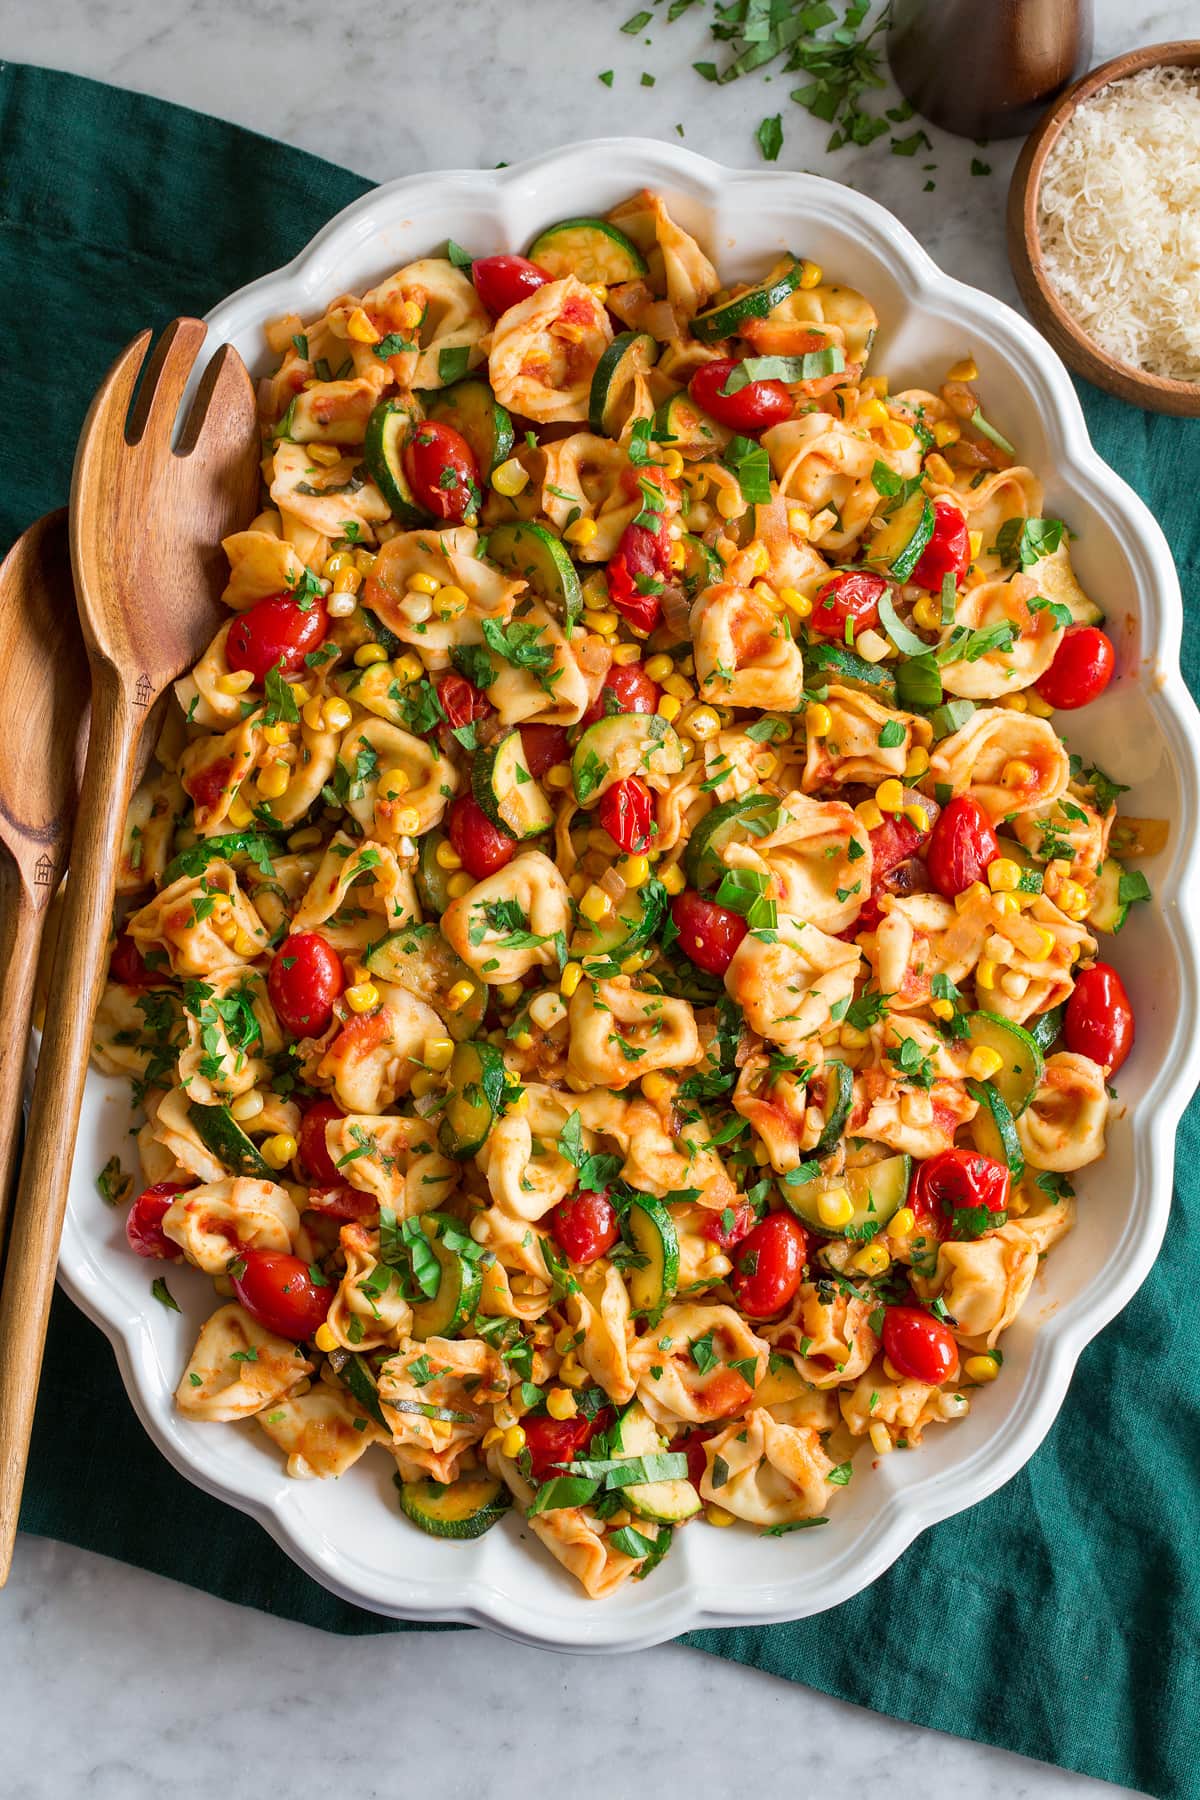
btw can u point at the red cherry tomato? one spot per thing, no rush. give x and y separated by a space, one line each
636 573
441 470
127 965
1082 669
305 979
948 551
462 702
316 1164
768 1265
708 934
279 1292
626 811
1099 1018
728 1231
544 745
275 633
961 846
627 689
501 281
482 847
897 839
850 594
920 1346
955 1180
342 1202
143 1225
207 783
584 1226
751 408
691 1444
550 1441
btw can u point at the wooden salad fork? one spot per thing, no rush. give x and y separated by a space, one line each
147 521
45 691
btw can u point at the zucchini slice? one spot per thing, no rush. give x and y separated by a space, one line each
652 1231
220 1132
465 1509
432 880
589 249
418 958
897 547
357 1374
628 927
388 430
630 354
845 665
839 1097
1044 1029
721 321
473 1104
507 792
527 549
877 1192
1022 1069
752 816
457 1297
666 1502
682 425
623 744
701 566
993 1130
1108 911
473 410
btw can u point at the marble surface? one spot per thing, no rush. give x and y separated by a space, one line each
119 1685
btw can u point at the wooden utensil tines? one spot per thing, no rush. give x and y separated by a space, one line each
147 521
45 691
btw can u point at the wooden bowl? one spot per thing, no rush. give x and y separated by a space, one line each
1077 349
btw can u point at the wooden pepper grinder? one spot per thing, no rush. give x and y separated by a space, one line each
987 68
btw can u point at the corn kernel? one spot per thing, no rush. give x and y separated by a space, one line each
236 682
522 1040
313 714
558 776
1046 941
362 996
872 412
918 816
898 434
572 1373
634 871
324 1339
875 384
336 715
927 613
939 470
811 274
659 667
564 1342
605 623
325 455
1018 774
669 707
582 531
946 432
598 289
983 1062
492 1436
421 583
1015 702
339 560
244 944
364 561
985 973
625 655
1041 709
917 764
942 1009
595 904
278 1151
410 314
872 1260
240 814
348 582
673 879
974 544
572 974
818 720
881 1443
273 780
459 994
247 1106
981 1369
275 734
868 815
424 1082
657 1088
407 821
717 1515
513 1441
969 895
560 1403
366 654
835 1207
696 482
730 504
964 370
1003 875
889 796
903 1223
450 602
459 884
1072 899
672 465
360 328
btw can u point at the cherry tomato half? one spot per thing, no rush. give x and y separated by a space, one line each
316 1164
462 702
730 1225
584 1226
1099 1018
278 1291
305 979
544 745
128 966
626 689
953 1181
275 633
850 594
691 1444
750 408
626 811
501 281
550 1441
920 1346
1082 668
768 1265
961 846
342 1202
482 847
708 934
636 573
143 1224
441 470
948 551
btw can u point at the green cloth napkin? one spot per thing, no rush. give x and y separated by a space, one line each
1058 1618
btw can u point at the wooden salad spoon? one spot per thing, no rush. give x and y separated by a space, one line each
147 521
45 692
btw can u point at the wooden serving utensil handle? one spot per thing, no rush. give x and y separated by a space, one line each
76 986
22 921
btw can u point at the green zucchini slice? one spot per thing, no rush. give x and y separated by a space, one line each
682 425
357 1374
623 744
667 1502
474 1101
454 1304
993 1130
628 927
652 1231
589 249
507 792
845 665
1045 1027
527 549
465 1509
1108 911
418 958
721 321
388 430
473 410
1022 1068
897 547
752 816
630 354
432 880
839 1097
220 1132
877 1192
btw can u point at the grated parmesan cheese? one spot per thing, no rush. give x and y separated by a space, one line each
1119 220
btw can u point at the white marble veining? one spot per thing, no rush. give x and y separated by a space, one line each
119 1686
